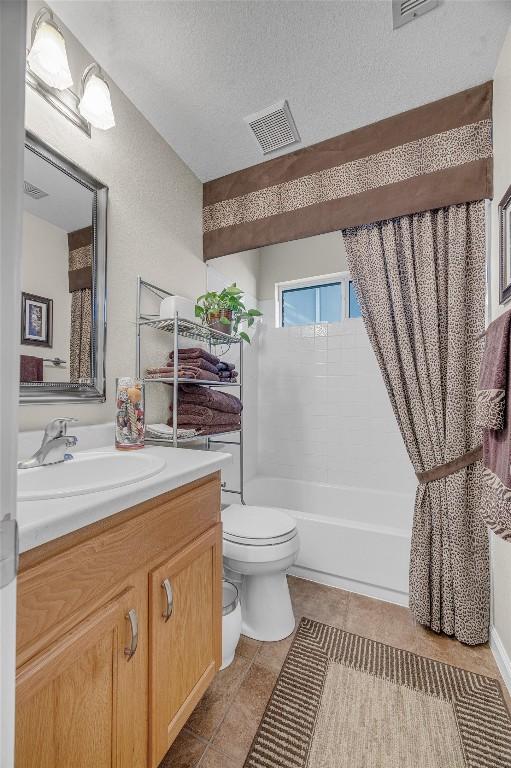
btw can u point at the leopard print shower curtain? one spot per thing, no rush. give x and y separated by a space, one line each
421 284
81 318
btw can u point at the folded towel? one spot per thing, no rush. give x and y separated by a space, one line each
31 368
190 414
228 375
225 366
163 371
183 372
204 431
212 398
494 415
196 362
165 432
190 353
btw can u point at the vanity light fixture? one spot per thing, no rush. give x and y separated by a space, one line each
95 103
47 57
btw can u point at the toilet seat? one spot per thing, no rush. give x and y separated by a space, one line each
257 526
260 544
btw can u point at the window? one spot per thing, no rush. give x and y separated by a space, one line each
327 299
354 307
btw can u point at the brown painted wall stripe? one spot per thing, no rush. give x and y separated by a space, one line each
462 108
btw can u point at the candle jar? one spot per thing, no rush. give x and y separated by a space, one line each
130 421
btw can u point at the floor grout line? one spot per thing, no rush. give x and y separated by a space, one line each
345 613
220 723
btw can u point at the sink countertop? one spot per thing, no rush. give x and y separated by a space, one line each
46 519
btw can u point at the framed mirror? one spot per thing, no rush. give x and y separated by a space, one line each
63 280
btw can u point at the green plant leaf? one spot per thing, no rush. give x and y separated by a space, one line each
224 320
199 311
244 336
255 313
250 321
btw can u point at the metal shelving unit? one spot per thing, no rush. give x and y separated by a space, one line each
204 335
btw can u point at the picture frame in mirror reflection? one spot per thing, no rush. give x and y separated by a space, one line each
505 247
36 320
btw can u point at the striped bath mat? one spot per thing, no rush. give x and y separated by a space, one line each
343 701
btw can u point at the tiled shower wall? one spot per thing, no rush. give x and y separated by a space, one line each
323 411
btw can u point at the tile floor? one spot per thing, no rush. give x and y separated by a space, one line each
220 730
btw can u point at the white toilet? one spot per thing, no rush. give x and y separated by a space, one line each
260 544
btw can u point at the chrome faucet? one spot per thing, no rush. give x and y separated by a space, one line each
53 446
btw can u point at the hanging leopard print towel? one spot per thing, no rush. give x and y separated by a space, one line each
494 415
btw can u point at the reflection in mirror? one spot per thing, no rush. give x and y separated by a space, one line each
56 276
63 269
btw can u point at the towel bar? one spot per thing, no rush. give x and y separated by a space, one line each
56 361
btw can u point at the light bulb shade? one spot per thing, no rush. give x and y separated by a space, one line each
48 58
95 104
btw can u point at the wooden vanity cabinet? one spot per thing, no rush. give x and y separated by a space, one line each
184 652
82 701
119 633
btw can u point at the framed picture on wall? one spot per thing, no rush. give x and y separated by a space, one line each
505 247
36 320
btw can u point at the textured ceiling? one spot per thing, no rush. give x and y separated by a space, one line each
195 69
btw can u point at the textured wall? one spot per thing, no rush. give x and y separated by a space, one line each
154 225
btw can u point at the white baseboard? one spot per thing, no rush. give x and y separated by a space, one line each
501 657
359 587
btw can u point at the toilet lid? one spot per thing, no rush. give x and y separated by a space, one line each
257 525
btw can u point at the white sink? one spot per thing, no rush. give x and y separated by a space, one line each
87 473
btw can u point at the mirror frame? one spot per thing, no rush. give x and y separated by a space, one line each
95 390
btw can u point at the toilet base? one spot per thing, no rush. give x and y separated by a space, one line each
266 610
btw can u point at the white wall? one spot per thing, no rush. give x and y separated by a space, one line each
240 268
238 271
501 551
44 271
12 61
319 255
243 269
154 225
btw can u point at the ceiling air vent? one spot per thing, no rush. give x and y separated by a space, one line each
32 191
404 11
274 127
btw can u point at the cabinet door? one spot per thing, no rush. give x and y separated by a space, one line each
82 702
185 636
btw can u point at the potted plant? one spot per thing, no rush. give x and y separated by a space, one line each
225 311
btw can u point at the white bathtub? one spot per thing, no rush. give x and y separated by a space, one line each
353 538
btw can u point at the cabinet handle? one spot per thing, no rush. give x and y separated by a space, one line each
169 597
130 649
